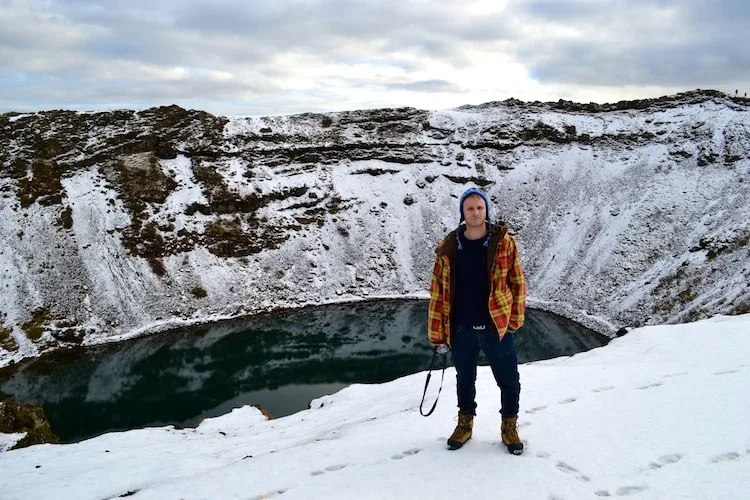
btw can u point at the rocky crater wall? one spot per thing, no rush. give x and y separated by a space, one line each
121 223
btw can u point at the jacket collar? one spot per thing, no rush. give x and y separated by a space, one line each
449 247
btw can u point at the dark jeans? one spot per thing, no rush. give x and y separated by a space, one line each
465 346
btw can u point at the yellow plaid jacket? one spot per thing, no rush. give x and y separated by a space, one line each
507 302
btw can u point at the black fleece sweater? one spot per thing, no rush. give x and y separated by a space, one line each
472 285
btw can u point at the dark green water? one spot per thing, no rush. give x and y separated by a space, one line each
279 362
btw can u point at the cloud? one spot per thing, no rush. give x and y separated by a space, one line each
638 42
427 86
317 55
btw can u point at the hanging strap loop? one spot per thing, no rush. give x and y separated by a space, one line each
427 382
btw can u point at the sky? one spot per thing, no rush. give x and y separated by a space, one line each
236 57
649 416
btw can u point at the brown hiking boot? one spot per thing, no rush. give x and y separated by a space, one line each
462 432
509 433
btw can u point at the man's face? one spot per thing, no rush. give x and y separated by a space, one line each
475 211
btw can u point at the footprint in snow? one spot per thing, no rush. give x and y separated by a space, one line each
399 456
665 460
566 401
624 491
270 494
655 384
670 375
602 389
330 468
572 471
331 437
630 490
725 457
536 409
725 372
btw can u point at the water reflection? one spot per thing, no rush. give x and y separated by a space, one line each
280 362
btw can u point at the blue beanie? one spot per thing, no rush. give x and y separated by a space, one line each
467 193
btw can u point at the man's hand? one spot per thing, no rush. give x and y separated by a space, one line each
441 349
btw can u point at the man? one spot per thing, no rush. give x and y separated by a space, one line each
477 301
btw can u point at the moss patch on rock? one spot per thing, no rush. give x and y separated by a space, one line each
43 187
232 238
17 417
742 308
140 180
66 218
36 327
7 341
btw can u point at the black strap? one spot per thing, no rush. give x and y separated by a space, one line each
427 382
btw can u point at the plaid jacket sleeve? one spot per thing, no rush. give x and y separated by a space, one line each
435 329
517 285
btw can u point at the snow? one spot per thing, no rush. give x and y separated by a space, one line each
233 175
659 413
187 192
8 440
93 217
18 116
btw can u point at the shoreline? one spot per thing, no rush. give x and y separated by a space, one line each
177 327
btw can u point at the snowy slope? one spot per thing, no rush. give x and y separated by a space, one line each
658 413
629 214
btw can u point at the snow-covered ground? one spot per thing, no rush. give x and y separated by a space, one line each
660 413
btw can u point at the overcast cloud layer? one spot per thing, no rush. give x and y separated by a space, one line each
289 56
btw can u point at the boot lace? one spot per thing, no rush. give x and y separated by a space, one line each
464 423
510 430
